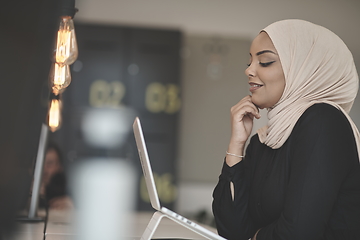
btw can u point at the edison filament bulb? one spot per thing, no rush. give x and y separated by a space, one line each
54 115
66 50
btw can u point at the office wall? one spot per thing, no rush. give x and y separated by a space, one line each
238 18
213 80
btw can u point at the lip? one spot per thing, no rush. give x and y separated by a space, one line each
254 86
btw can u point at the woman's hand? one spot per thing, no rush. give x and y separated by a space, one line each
242 117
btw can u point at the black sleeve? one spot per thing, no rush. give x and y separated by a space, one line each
232 218
323 150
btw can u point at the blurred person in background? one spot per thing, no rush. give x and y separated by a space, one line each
53 190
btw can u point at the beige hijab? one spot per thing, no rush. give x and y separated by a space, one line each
318 68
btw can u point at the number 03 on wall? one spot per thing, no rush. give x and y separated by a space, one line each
162 98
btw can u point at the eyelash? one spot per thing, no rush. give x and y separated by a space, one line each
263 64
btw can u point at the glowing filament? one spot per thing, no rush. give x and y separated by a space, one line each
66 51
54 115
63 46
60 74
59 77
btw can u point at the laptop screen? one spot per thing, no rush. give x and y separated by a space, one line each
145 164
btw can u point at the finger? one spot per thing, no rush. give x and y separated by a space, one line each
245 101
245 108
249 116
242 115
255 109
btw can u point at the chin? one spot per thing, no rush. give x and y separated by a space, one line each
261 104
257 103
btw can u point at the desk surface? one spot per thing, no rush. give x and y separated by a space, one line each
60 227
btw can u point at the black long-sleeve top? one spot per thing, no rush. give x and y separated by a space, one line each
309 189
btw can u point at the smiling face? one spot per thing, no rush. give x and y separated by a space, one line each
266 76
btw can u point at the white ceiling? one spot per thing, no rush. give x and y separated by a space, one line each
238 18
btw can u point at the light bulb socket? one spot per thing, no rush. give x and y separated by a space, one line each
54 96
68 8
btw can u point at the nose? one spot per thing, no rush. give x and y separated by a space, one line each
249 71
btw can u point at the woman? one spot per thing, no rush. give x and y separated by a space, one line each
53 184
300 178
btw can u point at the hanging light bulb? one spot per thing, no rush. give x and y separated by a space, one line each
54 114
66 49
59 77
65 53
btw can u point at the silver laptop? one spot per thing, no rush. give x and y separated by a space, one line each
154 198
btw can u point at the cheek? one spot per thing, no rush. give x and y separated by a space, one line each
274 82
274 77
278 93
278 87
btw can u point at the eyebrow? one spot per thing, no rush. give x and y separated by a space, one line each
265 51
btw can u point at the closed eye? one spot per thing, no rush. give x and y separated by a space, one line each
266 64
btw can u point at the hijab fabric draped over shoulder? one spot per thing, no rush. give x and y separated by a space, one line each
318 68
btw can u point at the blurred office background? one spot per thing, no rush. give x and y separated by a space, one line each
213 39
179 65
